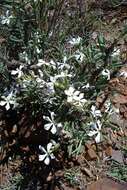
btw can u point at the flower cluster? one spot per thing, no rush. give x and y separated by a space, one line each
96 131
75 97
96 125
61 92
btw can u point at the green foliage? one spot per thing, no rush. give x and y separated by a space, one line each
72 176
118 171
115 3
14 183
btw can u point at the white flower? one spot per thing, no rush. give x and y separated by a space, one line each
106 73
38 78
96 131
87 86
50 87
65 59
25 83
40 73
53 79
47 153
74 96
6 19
8 100
40 82
24 57
63 65
38 50
123 74
108 107
51 125
116 52
53 64
75 41
50 33
95 112
36 1
18 72
115 109
62 75
42 62
79 56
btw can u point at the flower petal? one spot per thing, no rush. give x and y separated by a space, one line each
13 72
98 137
59 125
52 115
7 106
92 133
53 129
53 142
20 74
47 160
98 113
83 101
76 93
2 103
47 118
42 149
81 95
66 92
94 126
42 157
76 98
12 102
70 99
99 124
52 156
48 126
93 108
49 146
71 90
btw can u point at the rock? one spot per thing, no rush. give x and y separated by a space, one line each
115 119
80 159
121 99
125 133
88 146
91 154
107 184
108 151
120 133
59 173
117 156
50 177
